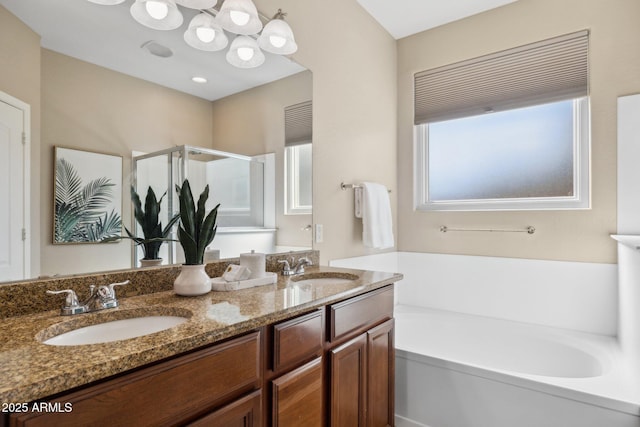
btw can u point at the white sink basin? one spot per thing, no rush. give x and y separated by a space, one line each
116 330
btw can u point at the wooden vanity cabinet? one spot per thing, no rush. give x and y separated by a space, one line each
332 366
362 360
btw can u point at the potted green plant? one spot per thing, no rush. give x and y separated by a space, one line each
195 232
149 220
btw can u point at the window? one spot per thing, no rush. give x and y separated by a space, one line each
297 158
528 158
506 131
298 179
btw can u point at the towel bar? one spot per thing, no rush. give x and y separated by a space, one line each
530 229
349 186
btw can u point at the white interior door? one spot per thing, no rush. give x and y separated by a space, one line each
12 194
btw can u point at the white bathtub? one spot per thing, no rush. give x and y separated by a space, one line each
499 342
458 370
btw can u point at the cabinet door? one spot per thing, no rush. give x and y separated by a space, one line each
297 397
349 383
244 412
380 375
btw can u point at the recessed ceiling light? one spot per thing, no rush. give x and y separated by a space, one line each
199 79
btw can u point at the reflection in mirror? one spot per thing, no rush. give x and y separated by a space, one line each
243 186
298 136
78 104
298 183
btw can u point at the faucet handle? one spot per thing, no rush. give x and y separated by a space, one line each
286 268
107 294
72 305
113 285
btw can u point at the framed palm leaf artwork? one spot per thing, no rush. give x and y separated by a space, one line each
87 196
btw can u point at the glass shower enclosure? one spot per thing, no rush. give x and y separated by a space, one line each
235 181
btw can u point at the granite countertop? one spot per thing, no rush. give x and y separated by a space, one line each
31 370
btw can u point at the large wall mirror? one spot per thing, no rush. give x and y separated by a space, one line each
101 90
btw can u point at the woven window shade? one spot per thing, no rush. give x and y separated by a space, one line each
550 70
298 127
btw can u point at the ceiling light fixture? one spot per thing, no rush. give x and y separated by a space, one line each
197 4
239 17
206 31
198 79
245 53
107 2
277 36
157 14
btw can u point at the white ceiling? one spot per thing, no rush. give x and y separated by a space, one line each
402 18
108 36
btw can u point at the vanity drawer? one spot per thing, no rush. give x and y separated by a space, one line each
296 340
169 393
359 312
246 412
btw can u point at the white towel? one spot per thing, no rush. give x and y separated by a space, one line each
377 225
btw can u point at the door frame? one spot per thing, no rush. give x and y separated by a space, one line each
26 177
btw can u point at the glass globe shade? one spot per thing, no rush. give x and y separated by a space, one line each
277 37
277 41
197 4
239 18
205 34
157 9
157 14
245 53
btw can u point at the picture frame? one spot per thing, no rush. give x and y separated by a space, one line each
87 196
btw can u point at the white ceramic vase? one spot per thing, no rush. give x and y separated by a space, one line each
150 262
192 280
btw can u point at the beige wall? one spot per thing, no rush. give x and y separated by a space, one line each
353 61
614 71
20 78
362 83
92 108
251 123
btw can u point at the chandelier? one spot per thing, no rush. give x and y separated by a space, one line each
206 31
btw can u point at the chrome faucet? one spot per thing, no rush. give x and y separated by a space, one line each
100 298
103 297
71 305
302 262
297 269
